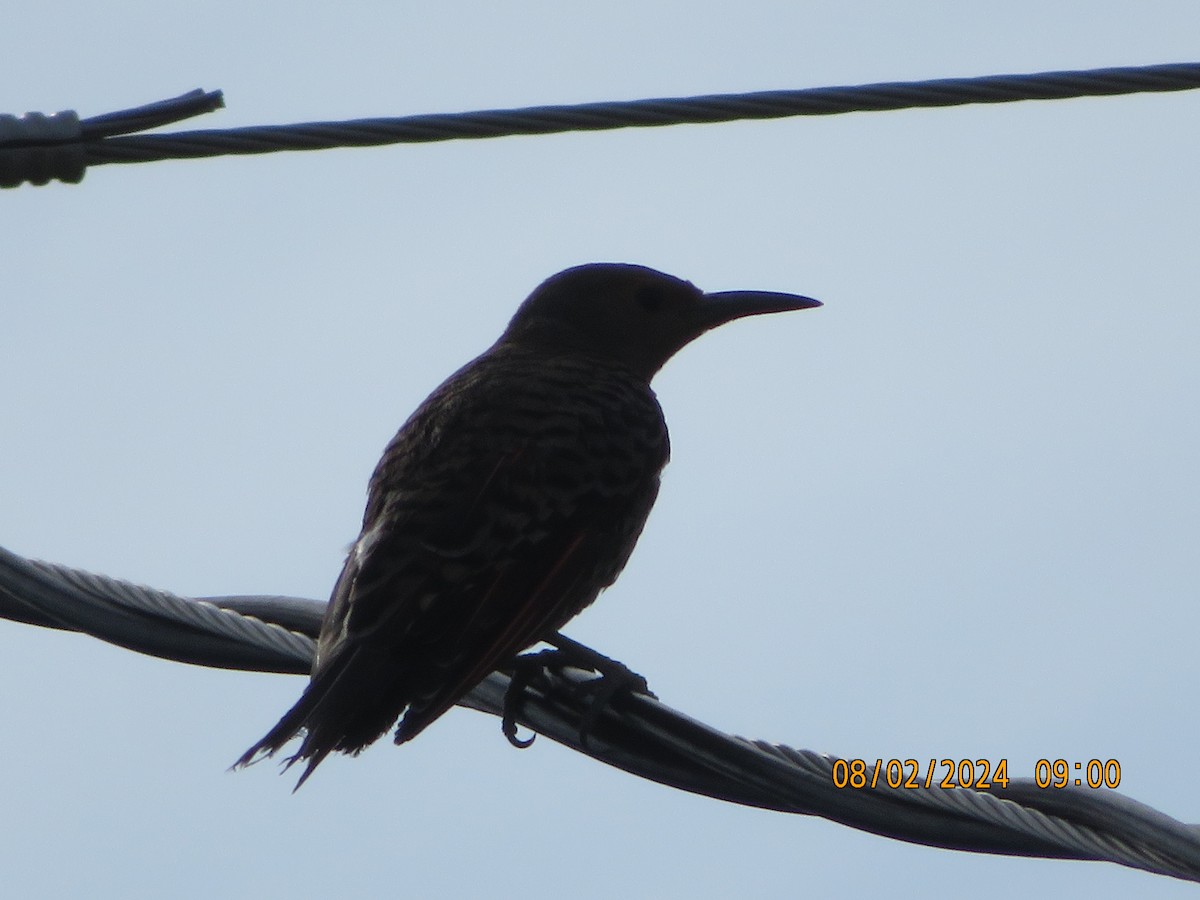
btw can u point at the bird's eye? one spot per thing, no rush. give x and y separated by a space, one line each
651 297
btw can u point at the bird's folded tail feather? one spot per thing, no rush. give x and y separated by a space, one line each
335 712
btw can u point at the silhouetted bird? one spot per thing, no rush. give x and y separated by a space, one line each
504 505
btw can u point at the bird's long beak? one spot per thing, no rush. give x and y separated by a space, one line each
725 306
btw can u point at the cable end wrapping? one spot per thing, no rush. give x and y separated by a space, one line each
39 149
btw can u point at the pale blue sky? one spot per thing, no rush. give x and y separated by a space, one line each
953 513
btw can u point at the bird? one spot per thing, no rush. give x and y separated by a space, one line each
504 505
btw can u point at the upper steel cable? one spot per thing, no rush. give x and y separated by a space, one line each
38 152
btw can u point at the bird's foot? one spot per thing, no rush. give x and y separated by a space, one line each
614 678
530 667
526 670
572 653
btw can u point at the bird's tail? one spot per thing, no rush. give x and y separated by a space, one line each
344 708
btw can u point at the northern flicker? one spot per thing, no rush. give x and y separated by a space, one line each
511 497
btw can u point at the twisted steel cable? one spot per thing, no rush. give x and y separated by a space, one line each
43 148
648 113
636 733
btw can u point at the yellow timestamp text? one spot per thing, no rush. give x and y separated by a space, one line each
1061 773
980 774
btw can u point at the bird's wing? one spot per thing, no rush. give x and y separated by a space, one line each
513 573
528 613
494 518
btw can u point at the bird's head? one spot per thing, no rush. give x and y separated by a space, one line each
631 314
